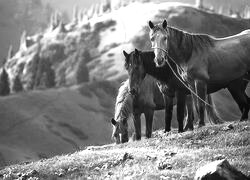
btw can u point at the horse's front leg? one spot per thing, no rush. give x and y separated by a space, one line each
190 114
137 126
181 101
149 115
168 112
201 91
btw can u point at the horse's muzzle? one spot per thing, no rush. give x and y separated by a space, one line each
159 62
133 92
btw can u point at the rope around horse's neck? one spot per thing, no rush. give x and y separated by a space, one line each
182 81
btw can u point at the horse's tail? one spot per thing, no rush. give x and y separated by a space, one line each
212 113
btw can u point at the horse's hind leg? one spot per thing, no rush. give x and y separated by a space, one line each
211 111
149 115
137 126
239 95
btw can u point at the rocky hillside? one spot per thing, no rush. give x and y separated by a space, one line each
17 16
83 62
94 40
171 156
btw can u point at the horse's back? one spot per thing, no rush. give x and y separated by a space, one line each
229 58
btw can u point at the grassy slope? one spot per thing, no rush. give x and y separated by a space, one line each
180 154
47 123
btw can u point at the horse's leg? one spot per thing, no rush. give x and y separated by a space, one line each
137 126
190 114
181 101
168 112
201 91
241 99
149 115
211 111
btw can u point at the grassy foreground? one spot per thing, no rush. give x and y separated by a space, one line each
165 156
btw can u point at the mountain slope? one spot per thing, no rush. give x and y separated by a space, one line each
42 124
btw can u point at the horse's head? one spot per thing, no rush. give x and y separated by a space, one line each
120 131
159 40
134 66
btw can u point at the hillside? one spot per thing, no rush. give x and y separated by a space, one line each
176 156
43 124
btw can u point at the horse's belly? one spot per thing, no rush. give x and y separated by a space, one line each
225 71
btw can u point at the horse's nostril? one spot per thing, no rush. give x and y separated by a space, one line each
133 91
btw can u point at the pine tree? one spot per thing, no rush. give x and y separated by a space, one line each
50 78
17 85
45 74
82 74
4 83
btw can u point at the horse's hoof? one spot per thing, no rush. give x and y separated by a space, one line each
167 130
135 137
149 136
242 120
180 131
201 125
189 128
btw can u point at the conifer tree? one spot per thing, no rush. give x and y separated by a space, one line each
4 83
17 84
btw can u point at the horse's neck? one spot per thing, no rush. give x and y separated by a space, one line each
149 65
123 108
181 47
183 44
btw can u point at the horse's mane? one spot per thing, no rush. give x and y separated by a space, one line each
191 40
123 105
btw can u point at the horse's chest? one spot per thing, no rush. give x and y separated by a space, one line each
146 101
196 68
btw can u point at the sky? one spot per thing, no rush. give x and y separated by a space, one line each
67 5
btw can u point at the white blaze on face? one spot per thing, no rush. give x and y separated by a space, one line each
159 45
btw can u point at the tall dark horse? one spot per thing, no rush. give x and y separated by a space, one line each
142 63
148 99
203 59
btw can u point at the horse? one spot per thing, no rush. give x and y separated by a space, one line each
202 59
148 100
140 63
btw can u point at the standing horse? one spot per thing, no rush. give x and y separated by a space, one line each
202 59
145 102
142 63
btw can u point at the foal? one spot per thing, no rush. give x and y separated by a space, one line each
147 100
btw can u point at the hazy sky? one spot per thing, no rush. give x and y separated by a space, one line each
69 4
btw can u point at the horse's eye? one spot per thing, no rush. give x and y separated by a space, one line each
152 38
165 38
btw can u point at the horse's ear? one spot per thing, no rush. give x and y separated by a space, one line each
125 54
151 25
113 121
164 24
136 51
